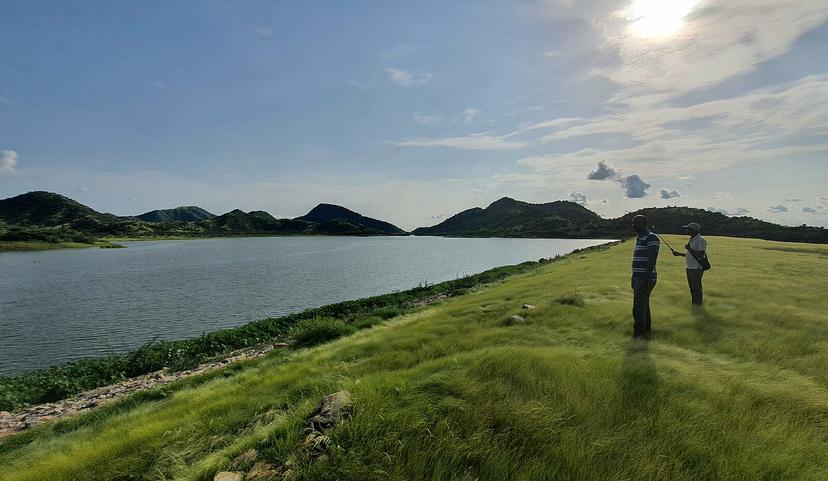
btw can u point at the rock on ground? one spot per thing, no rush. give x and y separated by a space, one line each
331 409
228 476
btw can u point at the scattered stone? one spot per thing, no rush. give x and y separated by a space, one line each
515 319
228 476
331 409
528 306
245 459
261 470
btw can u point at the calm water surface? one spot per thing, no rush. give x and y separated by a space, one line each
60 305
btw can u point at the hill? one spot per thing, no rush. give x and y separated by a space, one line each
44 219
330 214
511 218
184 213
735 391
47 209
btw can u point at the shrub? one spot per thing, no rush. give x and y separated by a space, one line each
310 332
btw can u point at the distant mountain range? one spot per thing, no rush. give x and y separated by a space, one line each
562 219
53 218
49 217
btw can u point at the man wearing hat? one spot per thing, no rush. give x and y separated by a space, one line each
696 248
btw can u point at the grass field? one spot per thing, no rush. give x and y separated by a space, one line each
737 391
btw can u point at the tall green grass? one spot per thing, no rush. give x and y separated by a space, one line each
736 391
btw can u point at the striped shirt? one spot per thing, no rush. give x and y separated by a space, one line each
644 245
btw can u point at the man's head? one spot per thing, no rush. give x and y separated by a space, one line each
693 229
639 224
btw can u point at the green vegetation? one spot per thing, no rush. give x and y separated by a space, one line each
39 219
310 332
188 213
512 218
736 391
56 383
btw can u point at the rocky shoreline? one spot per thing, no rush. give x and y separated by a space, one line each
30 416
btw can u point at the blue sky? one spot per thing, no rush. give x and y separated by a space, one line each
413 111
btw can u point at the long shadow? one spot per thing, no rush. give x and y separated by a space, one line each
639 387
708 326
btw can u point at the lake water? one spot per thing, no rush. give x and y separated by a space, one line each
60 305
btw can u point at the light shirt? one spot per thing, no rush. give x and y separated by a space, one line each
698 244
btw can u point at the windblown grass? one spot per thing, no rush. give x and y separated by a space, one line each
736 391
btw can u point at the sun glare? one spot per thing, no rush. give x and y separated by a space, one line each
659 19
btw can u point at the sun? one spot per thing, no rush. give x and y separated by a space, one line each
658 19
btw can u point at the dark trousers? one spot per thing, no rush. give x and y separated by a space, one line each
694 280
641 306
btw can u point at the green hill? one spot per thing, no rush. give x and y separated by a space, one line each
184 213
332 214
511 218
44 220
737 391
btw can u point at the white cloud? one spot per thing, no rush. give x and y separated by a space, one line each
470 114
718 210
408 79
264 31
777 209
471 142
717 41
8 162
424 119
764 124
741 211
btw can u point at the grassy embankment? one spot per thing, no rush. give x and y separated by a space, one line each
738 391
47 385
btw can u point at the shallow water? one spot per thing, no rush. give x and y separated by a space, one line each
60 305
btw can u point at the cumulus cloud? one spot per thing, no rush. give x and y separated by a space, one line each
809 210
717 210
603 172
427 119
8 162
470 114
669 194
741 211
408 79
777 209
578 197
635 187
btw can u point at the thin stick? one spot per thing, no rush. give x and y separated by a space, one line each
662 239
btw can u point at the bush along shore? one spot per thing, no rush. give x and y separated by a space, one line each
306 328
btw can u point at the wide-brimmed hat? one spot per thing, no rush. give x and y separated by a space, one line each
693 225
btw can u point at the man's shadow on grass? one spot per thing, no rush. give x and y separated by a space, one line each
639 387
708 326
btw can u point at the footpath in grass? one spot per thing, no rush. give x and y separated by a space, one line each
736 391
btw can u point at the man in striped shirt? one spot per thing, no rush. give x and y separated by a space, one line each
643 280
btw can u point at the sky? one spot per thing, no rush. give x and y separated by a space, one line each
413 111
